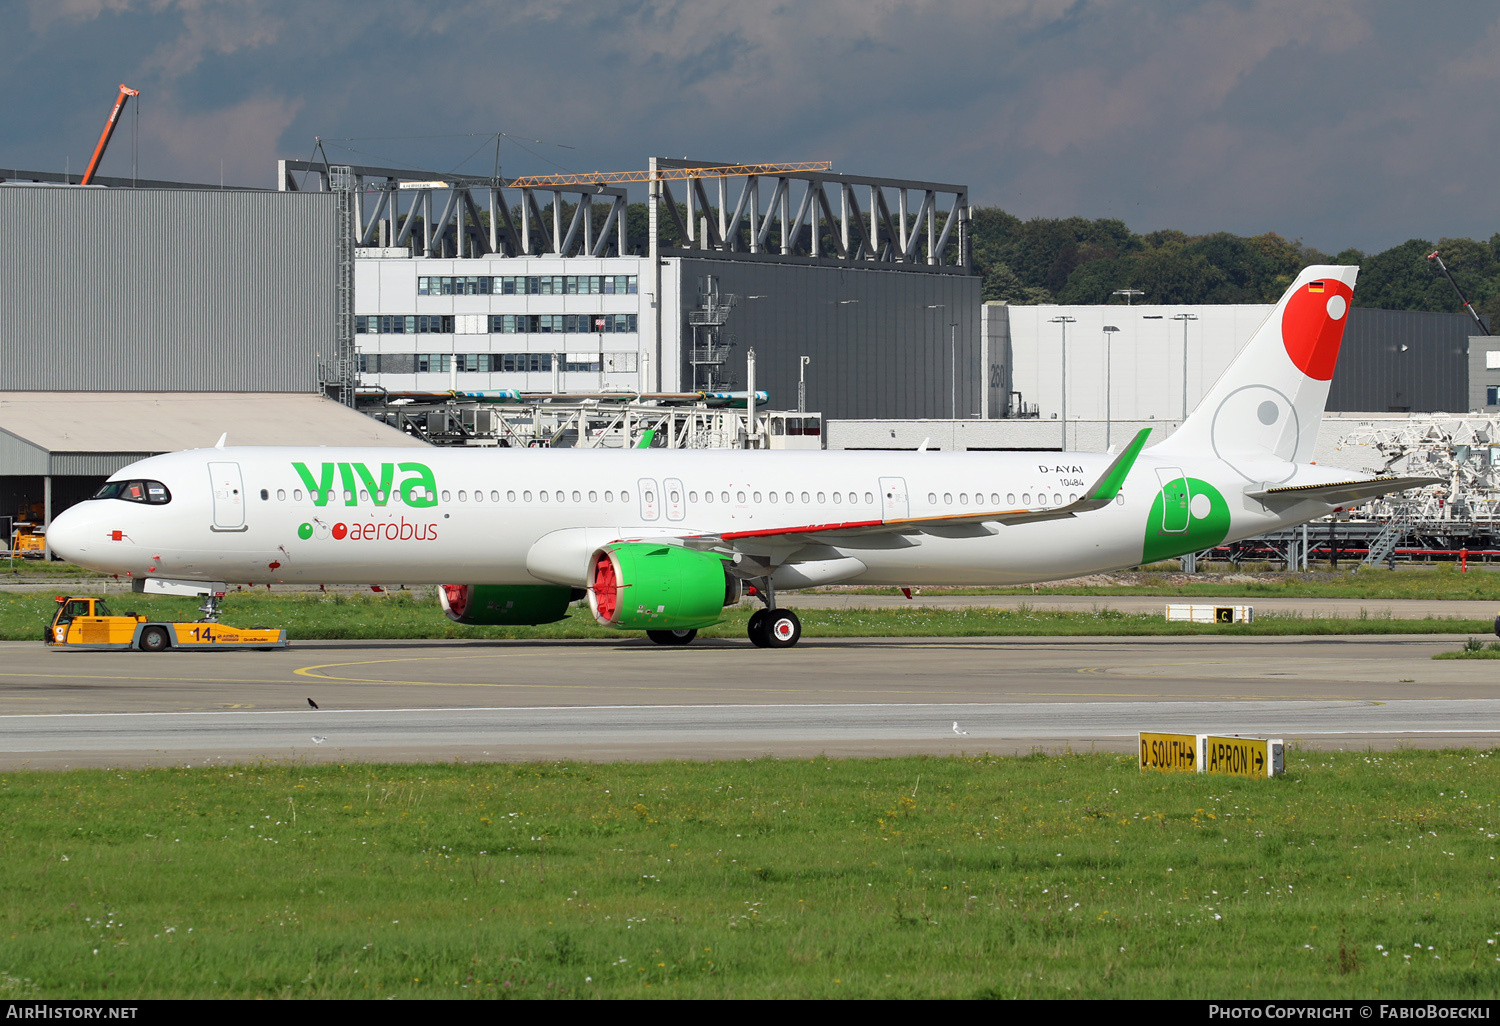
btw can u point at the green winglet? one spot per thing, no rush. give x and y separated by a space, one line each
1109 485
647 437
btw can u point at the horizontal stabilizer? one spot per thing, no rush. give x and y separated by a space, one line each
1340 492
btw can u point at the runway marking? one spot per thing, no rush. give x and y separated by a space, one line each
154 680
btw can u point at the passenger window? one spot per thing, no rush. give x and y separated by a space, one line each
963 498
577 496
1010 498
805 498
264 495
790 498
1041 498
593 496
281 495
560 497
542 496
708 496
446 496
527 496
1026 498
463 496
756 496
511 496
624 496
821 498
609 496
1057 498
296 494
692 496
478 495
869 498
739 496
994 498
947 498
772 497
364 496
838 497
932 498
495 496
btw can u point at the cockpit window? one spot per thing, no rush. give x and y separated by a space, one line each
152 492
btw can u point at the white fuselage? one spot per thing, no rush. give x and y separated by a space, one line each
493 516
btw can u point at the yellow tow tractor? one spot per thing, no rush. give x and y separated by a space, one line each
84 622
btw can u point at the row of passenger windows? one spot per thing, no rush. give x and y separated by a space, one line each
139 491
464 495
994 503
527 285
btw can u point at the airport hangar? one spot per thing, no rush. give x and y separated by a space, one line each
149 316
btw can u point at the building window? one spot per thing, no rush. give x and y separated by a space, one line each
410 324
1492 395
527 285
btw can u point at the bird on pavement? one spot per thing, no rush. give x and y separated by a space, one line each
963 733
312 703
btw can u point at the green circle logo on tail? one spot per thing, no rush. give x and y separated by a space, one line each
1188 515
305 532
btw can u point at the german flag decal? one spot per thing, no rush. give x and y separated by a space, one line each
1315 286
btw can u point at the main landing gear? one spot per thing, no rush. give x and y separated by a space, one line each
772 627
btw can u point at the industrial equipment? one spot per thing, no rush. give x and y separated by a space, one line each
109 129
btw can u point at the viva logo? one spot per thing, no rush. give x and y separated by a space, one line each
1188 515
417 489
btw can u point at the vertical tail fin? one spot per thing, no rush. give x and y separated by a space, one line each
1264 411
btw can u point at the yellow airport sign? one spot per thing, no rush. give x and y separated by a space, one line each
1243 756
1171 753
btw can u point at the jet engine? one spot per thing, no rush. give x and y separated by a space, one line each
650 586
478 605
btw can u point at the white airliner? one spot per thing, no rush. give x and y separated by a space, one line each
661 540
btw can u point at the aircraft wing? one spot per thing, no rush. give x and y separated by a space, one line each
1099 495
1340 492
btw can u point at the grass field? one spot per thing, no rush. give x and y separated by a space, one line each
415 614
1357 874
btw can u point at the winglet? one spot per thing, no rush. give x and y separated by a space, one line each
647 437
222 439
1108 486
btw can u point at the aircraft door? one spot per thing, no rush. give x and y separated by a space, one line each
229 496
1176 500
893 498
673 493
650 499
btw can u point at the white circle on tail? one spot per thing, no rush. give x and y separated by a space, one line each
1337 307
1255 429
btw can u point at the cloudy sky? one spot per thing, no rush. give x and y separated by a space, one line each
1339 122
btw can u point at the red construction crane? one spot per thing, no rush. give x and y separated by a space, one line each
109 129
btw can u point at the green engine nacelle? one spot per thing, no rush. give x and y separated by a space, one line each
477 605
636 586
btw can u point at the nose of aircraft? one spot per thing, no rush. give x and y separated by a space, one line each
67 535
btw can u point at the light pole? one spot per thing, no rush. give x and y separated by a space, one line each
1184 318
1064 321
1109 351
953 385
803 361
1128 294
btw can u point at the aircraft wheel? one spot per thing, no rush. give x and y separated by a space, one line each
756 631
154 639
782 628
672 637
